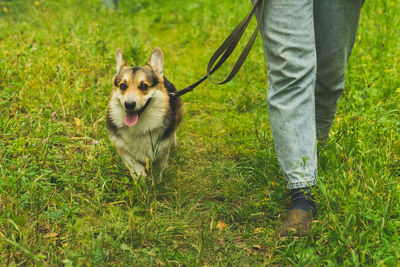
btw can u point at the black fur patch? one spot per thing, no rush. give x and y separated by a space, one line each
135 69
174 115
151 76
116 81
111 125
154 79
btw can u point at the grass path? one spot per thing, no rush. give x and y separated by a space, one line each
66 199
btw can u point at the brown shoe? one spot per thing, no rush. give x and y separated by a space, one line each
296 223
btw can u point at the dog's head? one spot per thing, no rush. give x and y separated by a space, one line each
137 87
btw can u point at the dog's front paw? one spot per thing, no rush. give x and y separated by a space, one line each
137 174
136 171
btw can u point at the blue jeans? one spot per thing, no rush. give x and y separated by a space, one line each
307 44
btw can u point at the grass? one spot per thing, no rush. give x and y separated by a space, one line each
66 198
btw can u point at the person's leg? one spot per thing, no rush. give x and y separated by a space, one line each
288 35
336 23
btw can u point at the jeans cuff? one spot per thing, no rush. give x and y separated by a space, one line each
302 184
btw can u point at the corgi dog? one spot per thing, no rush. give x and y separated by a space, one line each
143 114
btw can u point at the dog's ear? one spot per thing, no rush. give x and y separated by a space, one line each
119 58
156 60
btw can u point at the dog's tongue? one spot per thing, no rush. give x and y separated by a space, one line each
131 119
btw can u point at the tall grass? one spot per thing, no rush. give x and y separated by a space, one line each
66 198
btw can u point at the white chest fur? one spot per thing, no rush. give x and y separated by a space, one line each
144 139
140 146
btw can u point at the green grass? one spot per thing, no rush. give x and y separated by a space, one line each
66 198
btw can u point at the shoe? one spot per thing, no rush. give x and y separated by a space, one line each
296 223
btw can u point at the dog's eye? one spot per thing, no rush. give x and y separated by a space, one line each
123 86
143 86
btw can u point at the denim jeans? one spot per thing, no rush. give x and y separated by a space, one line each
307 44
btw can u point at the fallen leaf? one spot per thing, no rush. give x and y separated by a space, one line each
51 234
259 230
78 122
221 225
256 246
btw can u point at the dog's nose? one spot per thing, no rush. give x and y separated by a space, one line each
130 105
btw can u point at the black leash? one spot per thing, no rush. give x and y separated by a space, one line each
226 49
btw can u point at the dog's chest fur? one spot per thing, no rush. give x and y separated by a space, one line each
140 143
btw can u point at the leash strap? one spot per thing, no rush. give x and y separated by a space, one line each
226 49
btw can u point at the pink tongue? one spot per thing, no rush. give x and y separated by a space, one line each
131 119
